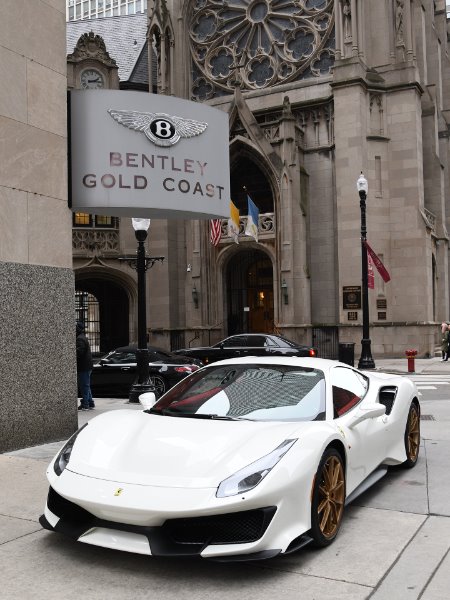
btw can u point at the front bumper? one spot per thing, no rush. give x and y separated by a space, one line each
175 537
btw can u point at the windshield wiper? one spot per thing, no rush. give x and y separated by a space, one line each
166 412
203 416
175 413
216 417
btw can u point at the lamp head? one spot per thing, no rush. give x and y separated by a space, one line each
140 224
140 227
362 185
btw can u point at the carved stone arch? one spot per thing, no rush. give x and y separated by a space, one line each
229 252
114 275
116 296
244 151
246 278
244 145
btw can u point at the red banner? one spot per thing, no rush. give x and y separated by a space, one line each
370 273
377 262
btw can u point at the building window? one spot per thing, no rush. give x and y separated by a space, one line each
102 221
80 219
88 9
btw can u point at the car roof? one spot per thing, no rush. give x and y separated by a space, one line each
133 348
272 336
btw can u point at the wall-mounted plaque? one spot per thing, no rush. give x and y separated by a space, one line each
352 315
351 297
381 303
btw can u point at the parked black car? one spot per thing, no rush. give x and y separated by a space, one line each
115 373
249 344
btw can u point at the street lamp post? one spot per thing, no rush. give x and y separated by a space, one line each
142 384
365 361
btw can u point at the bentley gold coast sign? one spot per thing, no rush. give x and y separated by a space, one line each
144 155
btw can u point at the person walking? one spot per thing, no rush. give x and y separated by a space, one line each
84 368
445 340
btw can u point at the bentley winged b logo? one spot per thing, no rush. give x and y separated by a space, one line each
159 128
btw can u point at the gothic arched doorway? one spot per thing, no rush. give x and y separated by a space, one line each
249 281
104 307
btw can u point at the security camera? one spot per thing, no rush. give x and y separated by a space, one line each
189 268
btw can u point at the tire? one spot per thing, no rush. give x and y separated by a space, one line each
328 499
412 437
159 383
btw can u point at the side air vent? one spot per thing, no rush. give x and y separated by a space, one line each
387 397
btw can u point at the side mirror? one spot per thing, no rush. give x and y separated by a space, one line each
147 400
370 411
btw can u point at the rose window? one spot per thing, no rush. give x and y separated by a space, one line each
255 44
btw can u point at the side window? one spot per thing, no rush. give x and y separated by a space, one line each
128 357
118 357
349 387
235 342
257 341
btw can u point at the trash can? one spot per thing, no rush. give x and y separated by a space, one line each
347 353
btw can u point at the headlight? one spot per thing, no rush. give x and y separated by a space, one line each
62 460
249 477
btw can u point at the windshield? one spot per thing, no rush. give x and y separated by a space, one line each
250 391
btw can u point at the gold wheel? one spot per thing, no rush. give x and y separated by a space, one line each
413 434
331 496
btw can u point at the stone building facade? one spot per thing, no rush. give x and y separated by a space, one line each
316 92
37 338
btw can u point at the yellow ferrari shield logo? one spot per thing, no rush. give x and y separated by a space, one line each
118 491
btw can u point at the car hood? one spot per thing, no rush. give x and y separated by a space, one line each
145 449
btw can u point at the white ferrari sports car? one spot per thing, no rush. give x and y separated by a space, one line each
244 459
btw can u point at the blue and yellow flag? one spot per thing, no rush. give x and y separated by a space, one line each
252 219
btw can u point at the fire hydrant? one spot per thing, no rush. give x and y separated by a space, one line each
411 354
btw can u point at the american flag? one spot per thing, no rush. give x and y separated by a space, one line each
215 231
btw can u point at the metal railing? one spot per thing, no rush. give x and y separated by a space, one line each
266 227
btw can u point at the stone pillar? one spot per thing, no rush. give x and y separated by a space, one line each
38 389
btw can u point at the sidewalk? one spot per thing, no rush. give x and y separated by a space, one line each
424 366
394 542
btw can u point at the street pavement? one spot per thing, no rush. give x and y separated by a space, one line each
394 541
